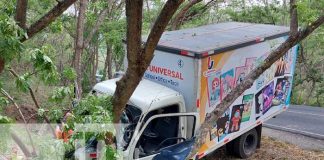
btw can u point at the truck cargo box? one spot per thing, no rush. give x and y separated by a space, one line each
204 64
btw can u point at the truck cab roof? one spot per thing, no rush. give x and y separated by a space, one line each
147 96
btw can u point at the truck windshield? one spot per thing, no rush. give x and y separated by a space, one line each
129 120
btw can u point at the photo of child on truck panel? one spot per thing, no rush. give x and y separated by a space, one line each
214 88
240 73
247 102
222 126
282 89
236 118
227 82
281 66
264 98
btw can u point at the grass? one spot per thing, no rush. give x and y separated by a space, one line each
274 150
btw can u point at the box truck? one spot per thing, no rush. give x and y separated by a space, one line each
191 72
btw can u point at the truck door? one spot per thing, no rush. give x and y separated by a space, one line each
163 131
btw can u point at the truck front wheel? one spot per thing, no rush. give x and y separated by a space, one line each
246 144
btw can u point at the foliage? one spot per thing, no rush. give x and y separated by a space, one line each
4 132
93 110
43 64
69 73
60 93
22 82
10 33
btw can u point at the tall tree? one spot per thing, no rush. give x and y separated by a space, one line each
139 56
83 42
79 46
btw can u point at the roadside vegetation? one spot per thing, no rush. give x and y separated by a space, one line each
273 149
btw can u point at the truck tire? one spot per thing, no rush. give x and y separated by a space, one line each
246 144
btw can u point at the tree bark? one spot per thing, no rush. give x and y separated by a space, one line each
48 18
293 17
108 63
21 11
292 40
95 64
25 150
139 57
2 64
177 21
79 47
32 94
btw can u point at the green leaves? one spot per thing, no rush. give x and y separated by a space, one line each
5 119
56 26
69 73
93 109
22 82
3 103
10 33
60 93
43 64
308 11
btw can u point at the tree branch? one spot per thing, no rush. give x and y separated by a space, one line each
160 24
25 150
21 11
176 22
32 94
48 18
95 28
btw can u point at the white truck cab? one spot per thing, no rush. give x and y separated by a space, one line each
190 74
166 122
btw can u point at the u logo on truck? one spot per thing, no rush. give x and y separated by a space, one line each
210 63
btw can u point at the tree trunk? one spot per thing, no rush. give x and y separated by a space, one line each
292 40
95 65
21 11
284 17
79 47
177 21
2 64
138 56
293 17
108 63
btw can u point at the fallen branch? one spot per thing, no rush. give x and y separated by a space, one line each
17 140
32 94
